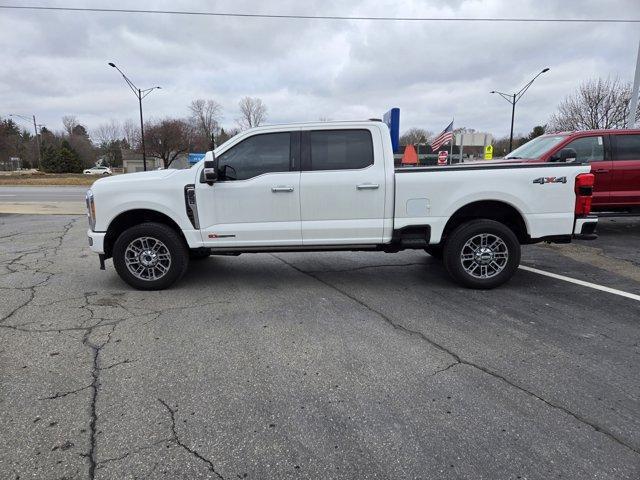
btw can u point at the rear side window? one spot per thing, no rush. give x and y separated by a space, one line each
341 149
627 147
589 149
257 155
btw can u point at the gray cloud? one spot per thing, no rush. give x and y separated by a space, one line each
55 63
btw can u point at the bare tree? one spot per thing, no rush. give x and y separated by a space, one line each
205 115
253 112
131 133
597 103
415 135
167 139
69 121
107 132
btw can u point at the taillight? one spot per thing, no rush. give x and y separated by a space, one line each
584 192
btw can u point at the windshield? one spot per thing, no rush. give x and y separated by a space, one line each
536 147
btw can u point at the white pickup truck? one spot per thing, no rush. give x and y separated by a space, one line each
333 186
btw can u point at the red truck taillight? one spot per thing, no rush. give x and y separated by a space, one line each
584 193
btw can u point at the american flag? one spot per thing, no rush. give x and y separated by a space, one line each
444 137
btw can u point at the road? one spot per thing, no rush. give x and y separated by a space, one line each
319 365
42 194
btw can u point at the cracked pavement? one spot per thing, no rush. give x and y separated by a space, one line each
321 365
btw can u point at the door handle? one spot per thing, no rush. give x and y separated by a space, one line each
281 189
367 186
601 170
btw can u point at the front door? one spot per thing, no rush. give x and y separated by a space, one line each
256 200
592 150
342 187
625 186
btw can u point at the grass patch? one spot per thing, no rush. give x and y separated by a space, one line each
48 179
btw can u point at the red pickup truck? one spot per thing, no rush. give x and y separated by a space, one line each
614 156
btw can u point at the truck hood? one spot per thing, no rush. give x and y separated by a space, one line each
134 178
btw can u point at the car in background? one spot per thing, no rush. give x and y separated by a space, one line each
98 171
614 156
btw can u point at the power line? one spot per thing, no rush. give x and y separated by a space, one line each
322 17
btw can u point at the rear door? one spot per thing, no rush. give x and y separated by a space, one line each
593 150
625 186
342 187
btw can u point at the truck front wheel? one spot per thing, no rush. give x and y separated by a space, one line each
482 254
150 256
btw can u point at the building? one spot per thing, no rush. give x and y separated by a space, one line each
132 162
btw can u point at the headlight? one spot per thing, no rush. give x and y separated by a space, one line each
91 209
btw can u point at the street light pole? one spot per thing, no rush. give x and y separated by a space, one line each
513 98
140 94
144 151
513 116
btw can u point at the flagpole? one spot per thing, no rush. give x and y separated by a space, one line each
451 143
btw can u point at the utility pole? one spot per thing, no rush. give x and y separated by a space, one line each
35 130
633 103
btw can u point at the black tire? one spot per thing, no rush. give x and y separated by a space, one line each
456 245
435 251
199 253
172 242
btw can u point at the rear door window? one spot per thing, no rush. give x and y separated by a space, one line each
340 149
589 149
627 147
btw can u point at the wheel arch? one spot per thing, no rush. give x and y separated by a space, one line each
130 218
497 210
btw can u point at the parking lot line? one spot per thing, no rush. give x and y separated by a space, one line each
595 286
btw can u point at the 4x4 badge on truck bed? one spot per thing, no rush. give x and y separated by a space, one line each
543 180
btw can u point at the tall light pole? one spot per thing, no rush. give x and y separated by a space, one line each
35 131
140 94
633 102
513 98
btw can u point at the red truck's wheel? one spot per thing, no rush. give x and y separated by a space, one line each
150 256
482 254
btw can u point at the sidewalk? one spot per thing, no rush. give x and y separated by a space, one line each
44 208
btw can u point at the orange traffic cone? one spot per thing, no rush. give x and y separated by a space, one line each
410 157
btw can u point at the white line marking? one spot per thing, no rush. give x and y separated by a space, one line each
5 195
595 286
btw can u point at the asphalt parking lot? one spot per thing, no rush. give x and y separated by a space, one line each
320 365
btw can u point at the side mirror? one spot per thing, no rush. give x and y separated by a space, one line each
210 171
566 155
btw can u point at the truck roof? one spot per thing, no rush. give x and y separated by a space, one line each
337 123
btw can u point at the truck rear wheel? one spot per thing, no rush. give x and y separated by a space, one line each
482 254
150 256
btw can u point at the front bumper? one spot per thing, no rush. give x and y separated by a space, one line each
585 227
96 241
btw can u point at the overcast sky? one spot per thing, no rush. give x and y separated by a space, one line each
55 63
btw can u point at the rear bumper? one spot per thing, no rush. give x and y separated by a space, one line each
96 241
584 228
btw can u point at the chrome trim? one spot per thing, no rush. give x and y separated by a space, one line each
91 206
